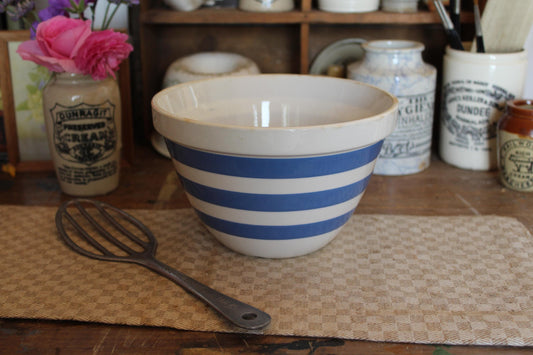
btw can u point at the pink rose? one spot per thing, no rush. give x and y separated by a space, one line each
102 53
57 42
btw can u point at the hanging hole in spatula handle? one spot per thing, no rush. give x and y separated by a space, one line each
239 313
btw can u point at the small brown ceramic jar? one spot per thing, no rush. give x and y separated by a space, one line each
515 146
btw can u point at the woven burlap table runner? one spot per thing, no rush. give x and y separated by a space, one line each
451 280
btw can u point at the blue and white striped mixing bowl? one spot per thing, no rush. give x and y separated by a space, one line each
274 165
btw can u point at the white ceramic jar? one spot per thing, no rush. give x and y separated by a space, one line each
475 87
397 67
348 6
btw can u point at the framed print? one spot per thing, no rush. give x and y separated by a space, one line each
21 84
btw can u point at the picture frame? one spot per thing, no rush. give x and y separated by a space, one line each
21 84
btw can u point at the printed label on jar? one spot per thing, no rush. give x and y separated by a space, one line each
516 161
84 176
412 135
84 134
471 109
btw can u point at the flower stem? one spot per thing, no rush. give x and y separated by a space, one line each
111 16
93 14
105 16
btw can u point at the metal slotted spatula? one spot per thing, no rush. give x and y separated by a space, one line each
105 232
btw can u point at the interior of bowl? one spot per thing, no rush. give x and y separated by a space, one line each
273 101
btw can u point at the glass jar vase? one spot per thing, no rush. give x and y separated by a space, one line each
83 122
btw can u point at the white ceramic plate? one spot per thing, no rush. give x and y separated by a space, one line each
158 142
343 52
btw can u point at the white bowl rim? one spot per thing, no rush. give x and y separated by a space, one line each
394 103
282 134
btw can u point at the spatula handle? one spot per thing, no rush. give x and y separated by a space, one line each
239 313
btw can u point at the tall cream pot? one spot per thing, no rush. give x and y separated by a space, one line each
83 123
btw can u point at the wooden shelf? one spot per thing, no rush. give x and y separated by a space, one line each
281 42
235 16
218 16
377 17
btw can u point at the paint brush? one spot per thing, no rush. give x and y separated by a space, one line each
480 45
455 15
453 36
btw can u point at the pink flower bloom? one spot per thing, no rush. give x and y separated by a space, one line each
63 44
102 53
57 43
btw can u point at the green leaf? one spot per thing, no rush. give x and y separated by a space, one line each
23 106
441 351
32 89
34 76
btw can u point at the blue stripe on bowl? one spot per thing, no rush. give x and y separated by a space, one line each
274 232
274 168
275 203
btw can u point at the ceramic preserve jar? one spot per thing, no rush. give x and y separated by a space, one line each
83 122
397 67
475 88
515 145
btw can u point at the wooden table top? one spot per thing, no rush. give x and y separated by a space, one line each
150 183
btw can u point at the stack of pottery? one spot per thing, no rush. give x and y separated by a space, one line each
400 6
348 5
266 5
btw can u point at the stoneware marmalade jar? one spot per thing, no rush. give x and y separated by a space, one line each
515 146
475 88
83 123
397 67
